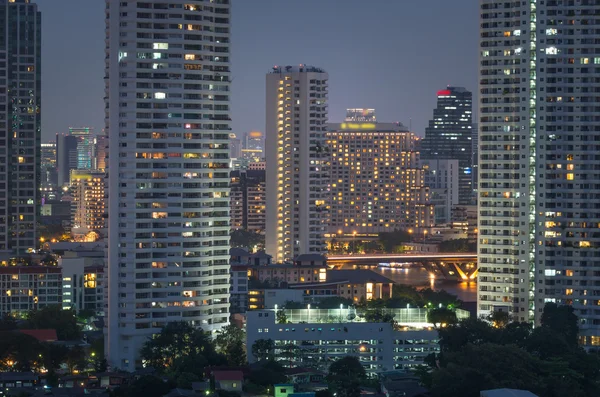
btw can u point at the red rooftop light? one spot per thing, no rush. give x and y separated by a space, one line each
444 93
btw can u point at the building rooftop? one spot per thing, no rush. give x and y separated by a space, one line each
507 393
296 69
367 127
357 276
43 335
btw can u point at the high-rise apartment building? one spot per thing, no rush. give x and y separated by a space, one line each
449 135
441 177
539 161
20 123
248 200
168 123
375 180
100 152
87 205
297 175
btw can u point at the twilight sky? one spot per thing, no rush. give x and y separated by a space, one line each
391 55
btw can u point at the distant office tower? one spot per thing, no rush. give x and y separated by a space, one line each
235 146
449 135
66 157
539 160
87 205
253 146
248 200
74 151
441 177
376 183
85 147
361 115
297 175
168 123
20 138
48 165
101 152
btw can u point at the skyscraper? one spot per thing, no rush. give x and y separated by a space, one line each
75 151
375 180
20 123
297 175
539 161
449 135
168 123
88 205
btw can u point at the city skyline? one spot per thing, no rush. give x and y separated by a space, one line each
391 73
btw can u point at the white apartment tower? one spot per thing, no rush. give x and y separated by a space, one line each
168 124
539 169
297 177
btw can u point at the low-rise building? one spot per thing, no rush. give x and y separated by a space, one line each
24 288
317 337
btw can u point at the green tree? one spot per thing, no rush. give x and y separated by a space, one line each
345 376
246 239
457 245
180 348
390 241
19 352
334 302
408 293
499 319
185 380
441 316
54 317
281 317
268 374
230 342
293 305
262 349
76 359
562 320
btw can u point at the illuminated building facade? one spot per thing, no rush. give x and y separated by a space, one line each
359 115
449 136
48 165
248 200
87 205
318 337
539 161
168 123
100 152
25 288
20 123
376 182
441 176
297 175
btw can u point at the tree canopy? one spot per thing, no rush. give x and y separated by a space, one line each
478 355
345 376
180 348
230 342
55 317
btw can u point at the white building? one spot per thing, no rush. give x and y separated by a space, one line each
539 189
297 176
441 176
168 122
83 281
318 337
